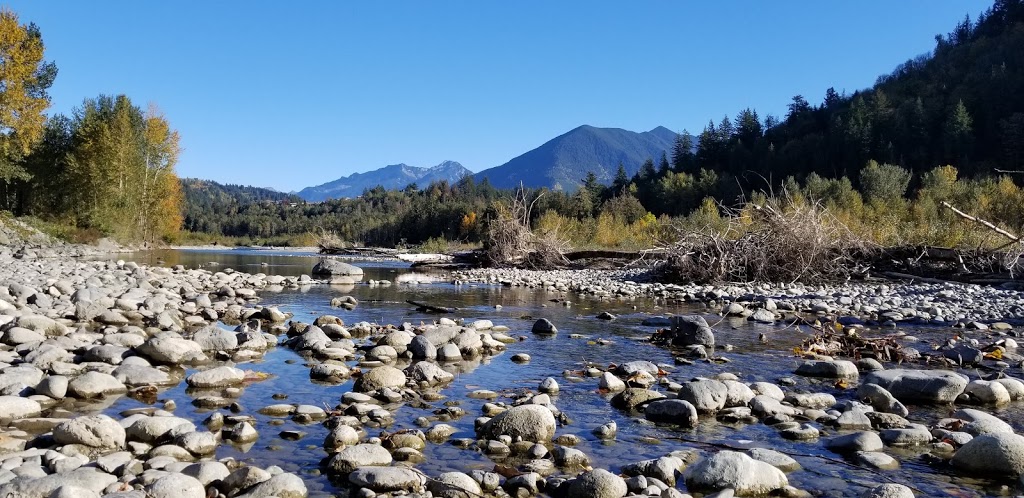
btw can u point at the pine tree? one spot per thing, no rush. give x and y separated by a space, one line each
663 166
959 135
621 181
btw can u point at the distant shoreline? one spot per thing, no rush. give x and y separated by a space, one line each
209 247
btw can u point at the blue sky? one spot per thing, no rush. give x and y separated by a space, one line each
293 94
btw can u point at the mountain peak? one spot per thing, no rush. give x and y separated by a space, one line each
564 161
393 176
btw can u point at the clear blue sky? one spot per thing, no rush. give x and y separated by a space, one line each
293 94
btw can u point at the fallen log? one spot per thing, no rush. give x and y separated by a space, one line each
429 308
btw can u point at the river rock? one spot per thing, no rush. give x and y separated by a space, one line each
634 397
597 483
387 479
691 331
1000 454
609 382
531 422
94 431
454 485
881 400
172 350
544 326
429 373
987 392
422 349
284 485
736 471
156 429
95 384
832 369
89 478
379 377
334 268
216 377
54 386
213 338
360 455
932 386
16 407
978 422
672 411
176 486
856 441
889 490
706 395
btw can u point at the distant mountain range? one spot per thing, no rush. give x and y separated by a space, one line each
563 162
560 163
395 176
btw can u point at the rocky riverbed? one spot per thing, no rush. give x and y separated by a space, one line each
673 408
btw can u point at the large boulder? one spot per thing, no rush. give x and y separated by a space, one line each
707 395
378 377
95 384
999 454
429 373
214 338
691 331
335 268
736 471
172 350
672 411
15 407
530 422
176 486
95 431
384 479
930 386
216 377
832 369
597 483
158 429
281 486
360 455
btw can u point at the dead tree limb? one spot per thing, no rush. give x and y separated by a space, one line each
981 222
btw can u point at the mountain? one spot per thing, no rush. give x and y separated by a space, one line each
564 161
395 176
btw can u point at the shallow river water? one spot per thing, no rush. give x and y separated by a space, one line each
579 398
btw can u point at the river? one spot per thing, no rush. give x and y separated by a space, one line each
562 357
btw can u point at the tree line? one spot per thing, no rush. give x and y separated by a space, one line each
106 170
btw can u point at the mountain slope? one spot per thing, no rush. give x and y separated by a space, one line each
564 161
395 176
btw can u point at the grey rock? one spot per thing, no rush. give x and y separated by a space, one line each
933 386
672 411
706 395
94 384
94 431
857 441
736 471
529 422
360 455
988 454
597 483
222 376
544 326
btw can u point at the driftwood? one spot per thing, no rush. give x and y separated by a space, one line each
429 308
607 254
981 222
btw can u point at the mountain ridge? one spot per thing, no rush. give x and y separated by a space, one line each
391 177
564 161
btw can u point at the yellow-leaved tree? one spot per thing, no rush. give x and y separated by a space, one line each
24 79
122 164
